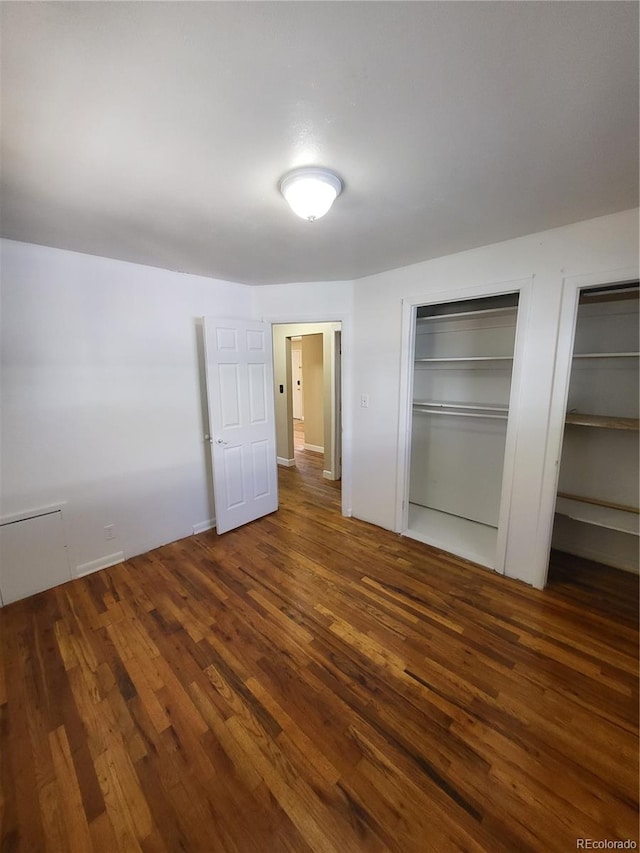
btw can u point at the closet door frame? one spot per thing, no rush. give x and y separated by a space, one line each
571 289
410 305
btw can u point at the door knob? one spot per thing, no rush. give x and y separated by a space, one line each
221 441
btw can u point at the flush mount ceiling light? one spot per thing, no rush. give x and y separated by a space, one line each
310 191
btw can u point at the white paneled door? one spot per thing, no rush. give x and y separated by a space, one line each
242 422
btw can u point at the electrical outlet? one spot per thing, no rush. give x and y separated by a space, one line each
109 532
364 401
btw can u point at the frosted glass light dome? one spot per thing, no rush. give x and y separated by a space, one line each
310 191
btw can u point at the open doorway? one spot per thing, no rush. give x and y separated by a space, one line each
307 377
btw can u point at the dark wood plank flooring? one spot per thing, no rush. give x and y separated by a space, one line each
313 683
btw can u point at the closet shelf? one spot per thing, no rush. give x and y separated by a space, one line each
613 295
600 502
478 313
597 515
601 421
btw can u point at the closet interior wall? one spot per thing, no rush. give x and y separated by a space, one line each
597 504
461 389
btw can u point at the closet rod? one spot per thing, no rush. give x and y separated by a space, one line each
422 411
436 404
605 354
467 358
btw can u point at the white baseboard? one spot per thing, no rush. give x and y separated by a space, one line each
288 463
100 563
328 475
315 447
204 525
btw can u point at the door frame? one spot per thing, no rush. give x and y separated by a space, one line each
294 380
344 388
571 288
331 428
410 305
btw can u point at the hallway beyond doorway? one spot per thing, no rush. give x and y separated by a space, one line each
309 484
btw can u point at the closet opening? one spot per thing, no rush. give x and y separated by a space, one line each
463 355
596 512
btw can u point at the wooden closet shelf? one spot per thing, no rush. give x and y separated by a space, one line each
599 502
598 515
602 421
609 296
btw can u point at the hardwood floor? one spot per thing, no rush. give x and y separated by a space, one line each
313 683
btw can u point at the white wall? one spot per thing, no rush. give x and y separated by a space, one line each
307 302
598 246
102 403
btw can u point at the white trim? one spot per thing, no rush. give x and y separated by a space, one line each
407 360
286 463
101 563
571 287
514 419
328 475
32 513
316 448
203 525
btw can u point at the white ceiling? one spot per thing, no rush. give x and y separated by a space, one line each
158 132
